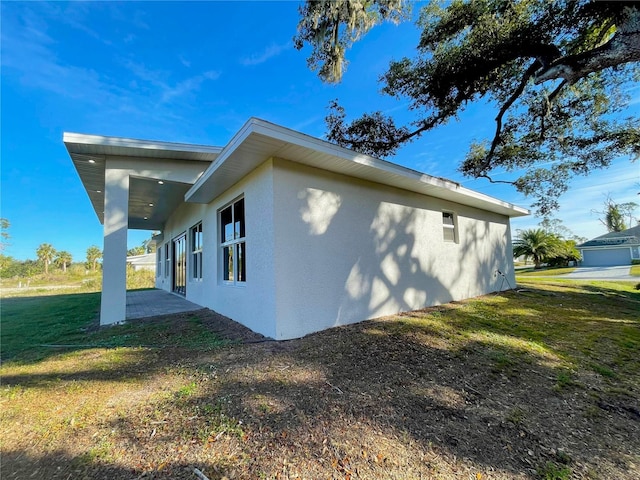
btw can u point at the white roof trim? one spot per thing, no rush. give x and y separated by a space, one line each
90 152
358 165
100 140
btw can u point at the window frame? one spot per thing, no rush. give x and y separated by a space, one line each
167 259
232 240
196 238
452 227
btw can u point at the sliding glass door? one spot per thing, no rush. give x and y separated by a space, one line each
180 264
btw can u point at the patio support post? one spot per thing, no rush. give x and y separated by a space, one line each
114 257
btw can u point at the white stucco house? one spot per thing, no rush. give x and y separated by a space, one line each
610 249
289 234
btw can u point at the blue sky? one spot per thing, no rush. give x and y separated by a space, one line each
195 72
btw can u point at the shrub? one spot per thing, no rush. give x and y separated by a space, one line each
92 284
76 270
140 278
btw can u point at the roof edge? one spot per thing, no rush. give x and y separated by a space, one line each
262 127
107 141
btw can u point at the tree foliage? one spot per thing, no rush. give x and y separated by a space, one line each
139 250
613 215
332 26
46 254
543 246
63 259
4 234
556 227
556 72
563 252
10 267
93 255
534 243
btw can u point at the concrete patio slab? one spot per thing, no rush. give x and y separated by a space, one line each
151 303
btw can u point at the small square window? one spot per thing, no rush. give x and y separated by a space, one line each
449 233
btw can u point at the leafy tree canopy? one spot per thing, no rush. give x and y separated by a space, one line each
543 246
557 228
4 234
140 250
534 243
613 215
556 72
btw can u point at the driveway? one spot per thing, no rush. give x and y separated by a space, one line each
601 273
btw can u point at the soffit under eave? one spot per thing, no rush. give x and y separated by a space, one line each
148 198
89 153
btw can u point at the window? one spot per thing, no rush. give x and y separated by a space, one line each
449 227
232 243
196 251
180 264
159 262
167 259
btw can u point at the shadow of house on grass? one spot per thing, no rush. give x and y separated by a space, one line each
446 388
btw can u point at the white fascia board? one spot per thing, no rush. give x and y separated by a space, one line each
421 182
281 133
303 140
100 140
234 143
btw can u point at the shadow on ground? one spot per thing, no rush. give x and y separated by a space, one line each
445 393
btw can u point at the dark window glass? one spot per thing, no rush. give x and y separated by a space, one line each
238 216
226 224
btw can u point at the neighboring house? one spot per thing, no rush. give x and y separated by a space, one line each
142 262
613 248
289 234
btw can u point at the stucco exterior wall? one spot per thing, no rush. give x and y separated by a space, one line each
253 303
348 250
326 250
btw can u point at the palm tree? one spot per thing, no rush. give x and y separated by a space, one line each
93 255
535 243
63 259
45 254
4 234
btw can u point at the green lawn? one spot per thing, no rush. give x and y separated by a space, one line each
544 272
28 322
537 383
37 327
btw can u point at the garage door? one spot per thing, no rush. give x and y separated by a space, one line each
601 258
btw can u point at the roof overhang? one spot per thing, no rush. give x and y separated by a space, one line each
151 200
259 140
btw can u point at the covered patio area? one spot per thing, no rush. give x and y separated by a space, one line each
133 184
151 303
